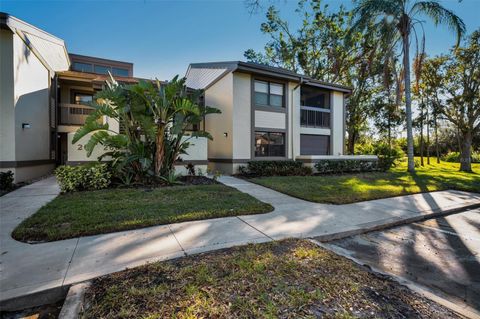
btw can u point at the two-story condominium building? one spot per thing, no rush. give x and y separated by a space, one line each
268 113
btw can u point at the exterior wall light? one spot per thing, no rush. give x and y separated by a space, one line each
225 134
25 125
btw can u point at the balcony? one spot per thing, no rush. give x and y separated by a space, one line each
314 117
74 114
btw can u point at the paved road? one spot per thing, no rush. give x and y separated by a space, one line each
441 254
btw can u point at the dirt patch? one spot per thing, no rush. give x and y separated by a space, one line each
43 312
286 279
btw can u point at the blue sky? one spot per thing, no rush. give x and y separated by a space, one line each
162 37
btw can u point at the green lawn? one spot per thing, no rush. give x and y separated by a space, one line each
282 279
349 188
97 212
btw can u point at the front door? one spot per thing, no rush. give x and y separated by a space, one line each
62 148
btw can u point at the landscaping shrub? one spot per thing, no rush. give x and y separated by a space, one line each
6 180
454 157
275 168
346 166
190 169
83 177
387 156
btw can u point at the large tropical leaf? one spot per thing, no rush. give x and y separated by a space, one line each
90 126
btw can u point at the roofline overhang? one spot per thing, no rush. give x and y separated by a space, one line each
284 74
18 26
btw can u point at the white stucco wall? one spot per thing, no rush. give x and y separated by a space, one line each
7 109
77 152
314 131
197 151
220 95
242 115
294 119
337 125
31 98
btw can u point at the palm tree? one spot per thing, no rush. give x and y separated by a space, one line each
397 20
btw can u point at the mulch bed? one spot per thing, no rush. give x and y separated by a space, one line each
197 180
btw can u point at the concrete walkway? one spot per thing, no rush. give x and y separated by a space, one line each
26 269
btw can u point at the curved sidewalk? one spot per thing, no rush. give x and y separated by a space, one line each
26 269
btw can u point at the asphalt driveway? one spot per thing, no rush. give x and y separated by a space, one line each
442 255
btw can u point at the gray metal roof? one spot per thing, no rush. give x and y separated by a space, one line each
50 50
250 67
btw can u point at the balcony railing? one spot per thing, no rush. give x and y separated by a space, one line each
74 114
314 117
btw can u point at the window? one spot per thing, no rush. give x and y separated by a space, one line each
268 94
315 97
119 72
269 144
100 69
80 111
83 98
82 67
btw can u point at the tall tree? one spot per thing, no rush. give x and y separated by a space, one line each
387 115
433 78
462 86
323 47
403 17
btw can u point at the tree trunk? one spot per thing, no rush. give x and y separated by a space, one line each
459 140
408 98
437 147
465 155
421 134
352 136
428 136
389 123
160 149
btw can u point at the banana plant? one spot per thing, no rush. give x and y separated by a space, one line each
154 118
174 109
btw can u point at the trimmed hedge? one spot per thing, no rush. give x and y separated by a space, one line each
454 157
6 180
83 177
275 168
346 166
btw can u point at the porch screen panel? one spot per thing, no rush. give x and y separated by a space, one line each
314 144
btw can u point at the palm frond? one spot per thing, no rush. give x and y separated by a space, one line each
441 16
367 11
89 127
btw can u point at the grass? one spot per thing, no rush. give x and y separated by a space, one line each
286 279
104 211
349 188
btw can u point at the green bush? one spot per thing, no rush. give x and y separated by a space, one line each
334 166
387 156
6 180
454 157
83 177
275 168
364 148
